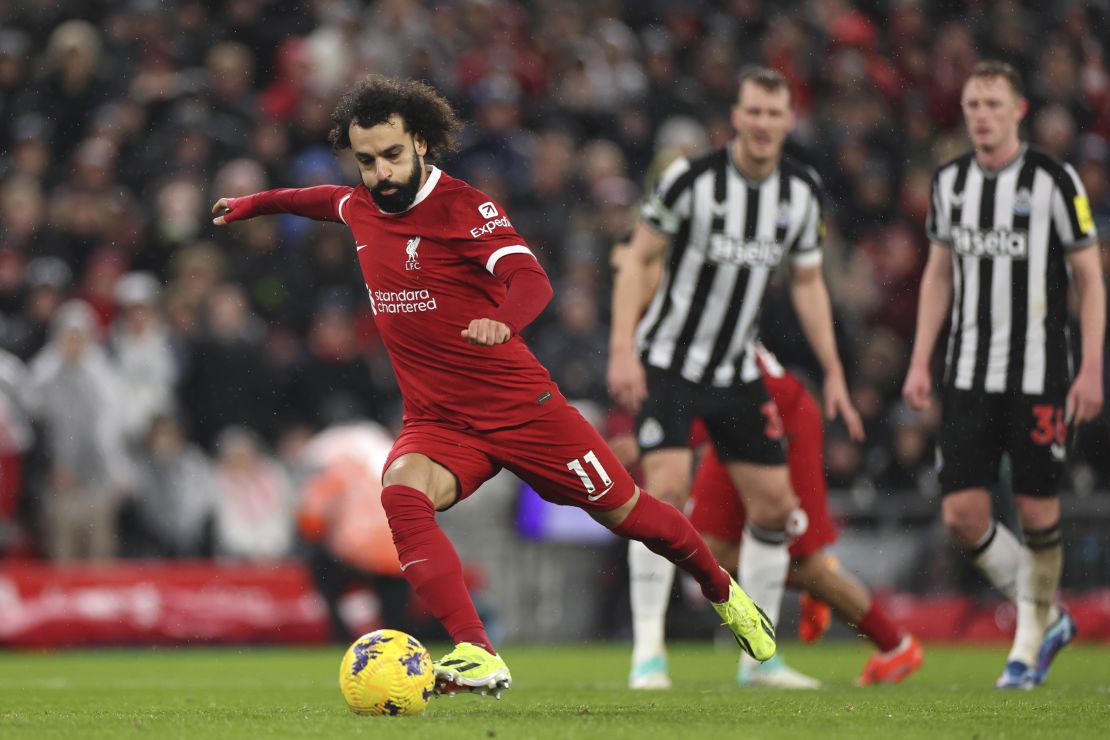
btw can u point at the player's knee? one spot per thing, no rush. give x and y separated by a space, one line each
401 502
772 510
965 523
672 494
671 488
421 474
1037 513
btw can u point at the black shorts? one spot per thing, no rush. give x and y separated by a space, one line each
977 428
742 420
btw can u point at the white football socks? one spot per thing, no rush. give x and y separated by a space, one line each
1027 578
650 580
764 562
1038 580
998 557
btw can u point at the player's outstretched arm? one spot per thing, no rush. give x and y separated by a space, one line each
320 203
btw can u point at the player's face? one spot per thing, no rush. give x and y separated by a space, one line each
763 118
992 111
391 162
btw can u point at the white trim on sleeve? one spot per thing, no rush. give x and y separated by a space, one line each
808 258
339 208
498 254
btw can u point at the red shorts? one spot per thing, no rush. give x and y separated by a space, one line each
559 454
716 508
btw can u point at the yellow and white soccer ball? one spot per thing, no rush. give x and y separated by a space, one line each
387 672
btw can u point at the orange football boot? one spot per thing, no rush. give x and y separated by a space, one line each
815 619
893 666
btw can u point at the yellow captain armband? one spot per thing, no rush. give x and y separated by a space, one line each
1083 213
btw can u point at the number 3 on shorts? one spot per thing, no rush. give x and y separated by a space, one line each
1050 425
577 467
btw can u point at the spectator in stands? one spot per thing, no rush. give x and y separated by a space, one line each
225 381
254 499
174 495
332 382
48 282
581 372
143 353
497 143
72 87
22 213
15 46
76 396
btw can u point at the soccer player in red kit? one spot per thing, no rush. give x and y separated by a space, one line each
718 514
451 286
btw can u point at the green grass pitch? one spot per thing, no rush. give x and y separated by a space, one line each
559 692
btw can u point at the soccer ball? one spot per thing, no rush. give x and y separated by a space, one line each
386 672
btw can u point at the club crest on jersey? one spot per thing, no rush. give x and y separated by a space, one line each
488 210
1023 202
412 262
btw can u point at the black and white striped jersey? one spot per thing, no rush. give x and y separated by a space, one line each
728 234
1010 232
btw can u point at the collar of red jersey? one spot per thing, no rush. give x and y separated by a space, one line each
424 191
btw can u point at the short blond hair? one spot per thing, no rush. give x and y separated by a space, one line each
994 69
769 79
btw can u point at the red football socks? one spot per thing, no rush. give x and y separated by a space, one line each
665 531
431 565
877 627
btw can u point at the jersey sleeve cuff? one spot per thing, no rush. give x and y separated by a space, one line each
938 239
339 208
1082 243
808 258
503 252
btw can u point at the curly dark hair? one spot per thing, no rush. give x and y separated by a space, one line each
425 112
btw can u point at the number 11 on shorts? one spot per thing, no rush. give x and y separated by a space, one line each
577 467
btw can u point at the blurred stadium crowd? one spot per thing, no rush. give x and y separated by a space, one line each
167 374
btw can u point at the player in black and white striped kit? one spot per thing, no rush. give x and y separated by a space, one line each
720 224
1008 225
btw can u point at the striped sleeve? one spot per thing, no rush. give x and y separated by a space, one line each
1071 211
669 205
807 250
937 225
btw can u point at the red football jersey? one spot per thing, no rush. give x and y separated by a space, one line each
430 272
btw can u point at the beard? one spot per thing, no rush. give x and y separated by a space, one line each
405 194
